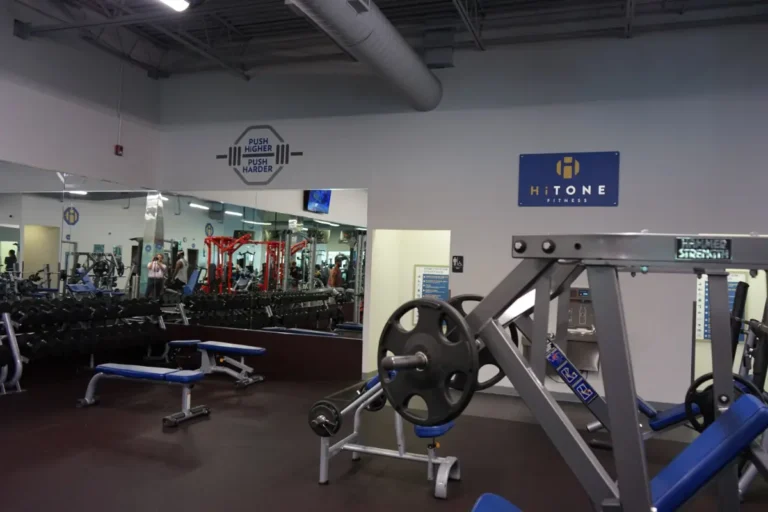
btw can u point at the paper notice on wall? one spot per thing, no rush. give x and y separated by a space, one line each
430 281
703 317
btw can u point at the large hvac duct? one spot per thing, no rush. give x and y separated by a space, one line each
361 29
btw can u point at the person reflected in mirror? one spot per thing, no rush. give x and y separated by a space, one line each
180 272
10 261
334 279
156 277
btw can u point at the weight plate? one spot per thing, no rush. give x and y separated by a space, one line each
325 418
378 404
445 360
705 400
485 358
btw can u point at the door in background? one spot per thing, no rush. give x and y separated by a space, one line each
192 255
40 247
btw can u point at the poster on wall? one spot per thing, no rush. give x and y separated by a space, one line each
430 281
703 327
569 179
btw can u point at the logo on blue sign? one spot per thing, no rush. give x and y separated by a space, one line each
68 237
159 247
148 248
71 216
209 229
569 179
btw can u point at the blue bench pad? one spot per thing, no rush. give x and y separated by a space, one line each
220 347
436 431
719 444
670 417
646 408
350 327
133 371
493 503
183 343
185 376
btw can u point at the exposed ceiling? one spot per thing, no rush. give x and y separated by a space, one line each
240 35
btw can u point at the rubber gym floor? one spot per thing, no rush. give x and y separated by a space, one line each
256 452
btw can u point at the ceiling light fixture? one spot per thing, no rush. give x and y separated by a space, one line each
257 223
177 5
78 192
362 229
198 206
236 214
327 223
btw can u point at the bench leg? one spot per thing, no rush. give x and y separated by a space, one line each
448 470
325 457
187 411
242 379
90 392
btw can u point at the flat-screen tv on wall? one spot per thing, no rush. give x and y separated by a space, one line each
317 201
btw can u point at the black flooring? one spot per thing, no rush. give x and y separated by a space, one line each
256 452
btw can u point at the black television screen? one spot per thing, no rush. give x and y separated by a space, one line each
317 201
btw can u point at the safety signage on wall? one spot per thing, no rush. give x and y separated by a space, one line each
457 264
569 179
209 229
703 319
430 281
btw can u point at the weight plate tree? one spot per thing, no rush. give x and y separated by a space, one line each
484 355
426 360
705 400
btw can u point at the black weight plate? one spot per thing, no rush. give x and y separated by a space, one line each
705 400
485 358
325 418
378 404
446 359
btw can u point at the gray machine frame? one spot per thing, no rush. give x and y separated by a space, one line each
448 468
601 256
11 384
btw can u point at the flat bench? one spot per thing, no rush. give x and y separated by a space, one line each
185 378
296 330
721 443
213 350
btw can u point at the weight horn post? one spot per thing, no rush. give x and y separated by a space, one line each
417 361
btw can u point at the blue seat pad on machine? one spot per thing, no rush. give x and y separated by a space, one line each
701 460
184 343
133 371
493 503
669 417
220 347
436 431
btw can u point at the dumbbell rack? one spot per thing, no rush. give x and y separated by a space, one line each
10 384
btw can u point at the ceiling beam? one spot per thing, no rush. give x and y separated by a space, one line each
469 12
191 43
133 18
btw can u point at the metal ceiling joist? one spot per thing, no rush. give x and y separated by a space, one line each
629 17
191 43
139 18
470 14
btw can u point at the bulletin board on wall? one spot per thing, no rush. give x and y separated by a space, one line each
430 281
703 318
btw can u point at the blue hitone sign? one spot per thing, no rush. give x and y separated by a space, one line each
569 179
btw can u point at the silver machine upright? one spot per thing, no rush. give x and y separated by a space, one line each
445 343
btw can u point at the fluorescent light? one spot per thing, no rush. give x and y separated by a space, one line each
78 192
362 229
304 229
236 214
177 5
257 223
198 206
164 198
327 223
